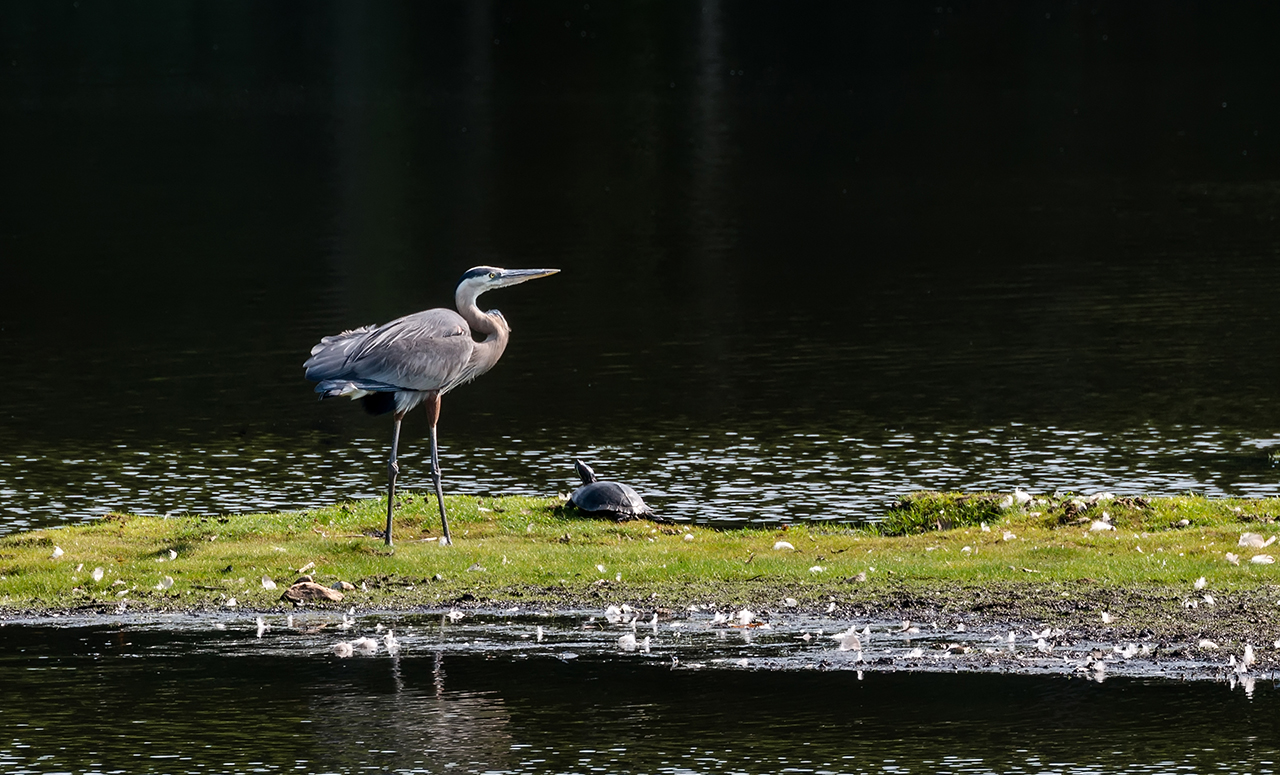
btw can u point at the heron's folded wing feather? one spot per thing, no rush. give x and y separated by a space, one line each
425 351
329 358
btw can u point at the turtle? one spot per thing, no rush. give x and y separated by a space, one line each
606 499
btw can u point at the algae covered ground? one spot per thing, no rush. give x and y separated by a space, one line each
1169 567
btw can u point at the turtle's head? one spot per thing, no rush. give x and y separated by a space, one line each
584 470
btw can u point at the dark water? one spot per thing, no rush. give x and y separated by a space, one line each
189 698
813 256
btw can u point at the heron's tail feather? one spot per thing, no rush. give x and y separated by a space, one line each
328 359
353 388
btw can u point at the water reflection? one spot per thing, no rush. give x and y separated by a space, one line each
119 698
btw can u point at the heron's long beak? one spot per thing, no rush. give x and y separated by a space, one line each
517 276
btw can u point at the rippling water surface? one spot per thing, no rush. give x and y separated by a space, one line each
725 478
207 695
893 249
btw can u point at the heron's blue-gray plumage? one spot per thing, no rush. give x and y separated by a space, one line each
429 351
417 359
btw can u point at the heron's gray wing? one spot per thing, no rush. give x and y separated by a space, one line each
329 358
427 350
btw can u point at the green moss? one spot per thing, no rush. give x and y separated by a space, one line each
924 511
530 550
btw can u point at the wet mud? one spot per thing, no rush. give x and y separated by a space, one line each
914 636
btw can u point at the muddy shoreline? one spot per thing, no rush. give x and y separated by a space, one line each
920 626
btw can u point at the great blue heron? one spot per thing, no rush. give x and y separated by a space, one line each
415 360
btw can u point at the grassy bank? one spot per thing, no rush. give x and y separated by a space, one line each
931 556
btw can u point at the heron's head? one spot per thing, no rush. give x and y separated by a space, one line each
584 470
479 279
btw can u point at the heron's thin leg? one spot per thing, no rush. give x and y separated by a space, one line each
393 468
433 415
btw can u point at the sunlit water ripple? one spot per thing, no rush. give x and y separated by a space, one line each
722 479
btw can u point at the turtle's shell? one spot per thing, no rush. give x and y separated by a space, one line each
610 498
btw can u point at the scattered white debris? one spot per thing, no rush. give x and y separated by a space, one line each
1255 541
366 646
613 614
745 617
389 640
862 576
600 568
1190 603
848 639
1021 497
57 552
1248 659
1043 646
173 555
231 602
538 633
914 654
1234 559
267 583
967 549
1098 526
1107 618
97 574
1206 644
342 649
817 569
644 645
165 583
780 545
831 607
984 527
1127 652
688 536
1262 559
1099 497
1006 502
790 602
262 626
1208 599
306 567
1201 583
627 642
719 618
454 615
1008 536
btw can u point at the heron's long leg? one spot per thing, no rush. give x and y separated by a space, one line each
393 468
433 415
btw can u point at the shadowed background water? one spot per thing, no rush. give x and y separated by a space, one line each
814 257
